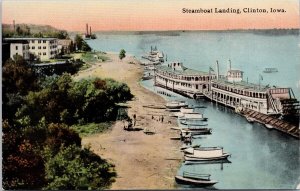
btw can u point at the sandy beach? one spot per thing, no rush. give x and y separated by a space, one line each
142 161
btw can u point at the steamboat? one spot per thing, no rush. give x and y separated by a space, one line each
261 103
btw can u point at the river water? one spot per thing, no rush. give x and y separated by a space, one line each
260 158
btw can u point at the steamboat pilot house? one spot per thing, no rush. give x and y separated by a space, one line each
232 91
182 80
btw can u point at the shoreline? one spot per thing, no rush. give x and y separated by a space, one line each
141 161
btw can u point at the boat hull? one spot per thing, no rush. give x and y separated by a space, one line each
198 182
222 161
189 157
193 132
183 122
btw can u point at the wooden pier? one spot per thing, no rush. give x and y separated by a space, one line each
276 123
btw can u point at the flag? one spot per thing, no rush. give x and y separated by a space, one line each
210 69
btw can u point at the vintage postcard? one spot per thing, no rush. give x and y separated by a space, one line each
161 94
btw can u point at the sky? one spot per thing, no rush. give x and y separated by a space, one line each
145 15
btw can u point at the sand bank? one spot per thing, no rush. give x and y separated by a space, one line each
142 161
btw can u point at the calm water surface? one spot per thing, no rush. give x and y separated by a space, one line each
261 158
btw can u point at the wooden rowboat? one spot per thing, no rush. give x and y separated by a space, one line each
202 180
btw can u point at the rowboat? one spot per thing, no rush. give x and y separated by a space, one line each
194 116
200 131
195 179
206 154
204 130
176 104
222 161
183 111
193 122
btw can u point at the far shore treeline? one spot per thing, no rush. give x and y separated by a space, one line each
41 149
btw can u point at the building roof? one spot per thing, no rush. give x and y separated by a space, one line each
19 42
28 38
185 71
235 71
243 85
64 42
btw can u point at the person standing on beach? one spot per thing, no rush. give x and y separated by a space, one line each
134 119
162 118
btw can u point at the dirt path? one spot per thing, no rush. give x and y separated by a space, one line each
142 161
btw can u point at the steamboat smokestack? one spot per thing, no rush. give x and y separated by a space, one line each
90 30
217 69
87 29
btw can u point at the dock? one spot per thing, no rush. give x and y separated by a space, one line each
278 124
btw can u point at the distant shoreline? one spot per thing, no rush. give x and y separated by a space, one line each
4 25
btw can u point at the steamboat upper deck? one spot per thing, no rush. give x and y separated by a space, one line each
180 79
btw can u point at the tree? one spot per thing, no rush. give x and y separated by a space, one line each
85 47
23 166
19 31
74 168
61 35
59 135
78 42
122 54
71 47
17 80
18 76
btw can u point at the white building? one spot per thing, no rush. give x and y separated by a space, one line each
20 48
42 48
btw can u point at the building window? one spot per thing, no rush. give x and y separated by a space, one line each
44 53
32 41
44 41
40 54
39 47
39 41
44 47
33 47
16 47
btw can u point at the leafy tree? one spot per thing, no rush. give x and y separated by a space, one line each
38 35
122 54
17 76
76 169
81 44
23 166
78 41
17 79
72 47
59 135
19 31
61 35
85 47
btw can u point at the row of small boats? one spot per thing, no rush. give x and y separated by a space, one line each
194 124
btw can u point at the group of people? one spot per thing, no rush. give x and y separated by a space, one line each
129 123
160 118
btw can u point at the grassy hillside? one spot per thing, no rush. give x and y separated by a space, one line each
32 30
